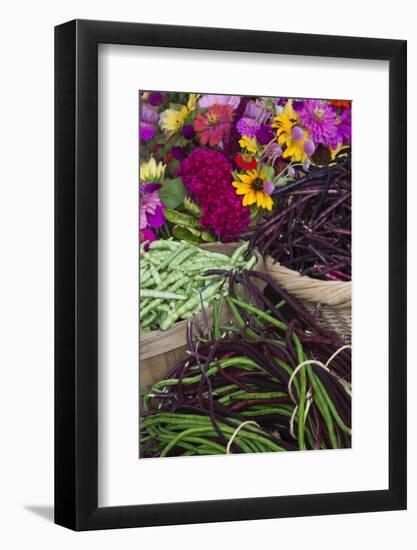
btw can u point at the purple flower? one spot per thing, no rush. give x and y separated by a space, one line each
297 133
298 105
188 132
252 109
268 187
151 211
309 147
265 134
343 129
148 115
273 151
320 118
177 153
147 131
156 99
247 127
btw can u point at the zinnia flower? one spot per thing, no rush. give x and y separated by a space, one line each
151 211
209 100
150 171
246 162
320 118
214 125
207 175
255 188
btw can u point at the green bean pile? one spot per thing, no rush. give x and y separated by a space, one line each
172 284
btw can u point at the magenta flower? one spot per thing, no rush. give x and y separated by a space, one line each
343 129
151 210
156 99
207 174
147 131
320 118
147 235
265 134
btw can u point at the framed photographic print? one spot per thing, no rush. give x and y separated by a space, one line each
230 275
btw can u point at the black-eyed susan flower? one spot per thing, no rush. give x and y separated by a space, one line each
255 188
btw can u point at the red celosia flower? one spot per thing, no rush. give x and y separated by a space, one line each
245 162
207 175
214 126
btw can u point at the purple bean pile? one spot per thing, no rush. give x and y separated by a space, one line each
310 229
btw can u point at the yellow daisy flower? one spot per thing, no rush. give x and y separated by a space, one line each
284 123
172 120
249 144
150 171
251 186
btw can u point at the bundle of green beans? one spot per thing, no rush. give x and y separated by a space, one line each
172 281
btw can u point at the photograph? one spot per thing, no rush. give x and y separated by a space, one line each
245 257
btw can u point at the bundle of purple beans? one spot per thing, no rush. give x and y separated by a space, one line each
310 229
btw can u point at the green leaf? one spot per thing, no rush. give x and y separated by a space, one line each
186 234
172 192
208 237
178 218
269 172
192 207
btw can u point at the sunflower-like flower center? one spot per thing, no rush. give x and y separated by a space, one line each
258 184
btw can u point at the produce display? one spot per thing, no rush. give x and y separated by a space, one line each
172 285
238 197
268 382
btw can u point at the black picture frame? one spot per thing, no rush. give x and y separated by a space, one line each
76 271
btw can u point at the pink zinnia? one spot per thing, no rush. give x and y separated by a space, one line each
320 118
214 125
151 212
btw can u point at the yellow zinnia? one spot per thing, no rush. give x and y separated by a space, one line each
150 171
251 186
